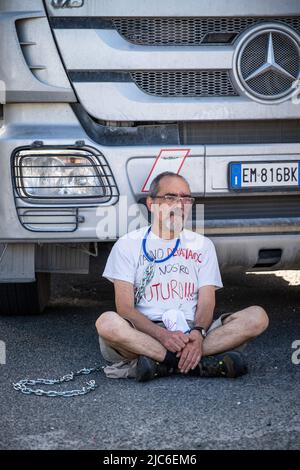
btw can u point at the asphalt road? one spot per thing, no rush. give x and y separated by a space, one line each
258 411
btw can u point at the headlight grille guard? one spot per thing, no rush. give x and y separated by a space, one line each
60 213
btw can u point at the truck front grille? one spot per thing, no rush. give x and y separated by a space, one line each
255 207
240 132
189 31
190 83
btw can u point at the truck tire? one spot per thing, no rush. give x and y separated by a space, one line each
25 298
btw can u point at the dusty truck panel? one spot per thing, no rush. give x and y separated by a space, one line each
95 91
30 66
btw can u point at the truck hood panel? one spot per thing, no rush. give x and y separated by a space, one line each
164 60
172 8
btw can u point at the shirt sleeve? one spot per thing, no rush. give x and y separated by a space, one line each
209 272
120 263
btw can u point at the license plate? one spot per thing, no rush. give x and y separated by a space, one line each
264 175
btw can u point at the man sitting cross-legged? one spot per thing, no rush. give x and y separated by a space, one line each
163 267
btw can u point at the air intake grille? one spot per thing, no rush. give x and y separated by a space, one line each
255 207
189 31
185 83
239 132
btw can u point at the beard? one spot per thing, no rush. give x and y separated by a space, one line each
175 221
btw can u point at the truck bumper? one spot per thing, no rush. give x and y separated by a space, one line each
239 236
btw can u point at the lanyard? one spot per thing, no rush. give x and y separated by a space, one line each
153 260
149 271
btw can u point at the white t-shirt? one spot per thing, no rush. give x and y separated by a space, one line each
176 281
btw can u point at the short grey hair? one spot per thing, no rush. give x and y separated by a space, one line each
154 186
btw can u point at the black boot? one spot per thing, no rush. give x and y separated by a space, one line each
148 369
230 364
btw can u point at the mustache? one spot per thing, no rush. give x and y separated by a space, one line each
176 212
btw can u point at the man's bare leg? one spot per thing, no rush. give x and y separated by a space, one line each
237 329
130 342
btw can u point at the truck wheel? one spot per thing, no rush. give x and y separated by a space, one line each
25 298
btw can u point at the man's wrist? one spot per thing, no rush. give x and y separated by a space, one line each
196 334
201 330
160 333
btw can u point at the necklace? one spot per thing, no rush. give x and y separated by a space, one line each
150 269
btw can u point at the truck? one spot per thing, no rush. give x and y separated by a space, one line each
98 96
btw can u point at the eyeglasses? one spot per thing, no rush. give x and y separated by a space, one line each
173 199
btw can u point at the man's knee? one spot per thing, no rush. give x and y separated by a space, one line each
108 325
257 320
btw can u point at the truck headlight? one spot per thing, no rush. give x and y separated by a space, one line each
55 177
60 175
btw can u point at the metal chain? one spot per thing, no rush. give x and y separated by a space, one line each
23 385
147 277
